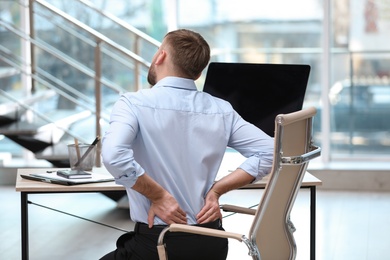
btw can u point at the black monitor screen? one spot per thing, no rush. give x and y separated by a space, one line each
259 92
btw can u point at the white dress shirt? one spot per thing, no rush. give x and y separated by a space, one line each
178 136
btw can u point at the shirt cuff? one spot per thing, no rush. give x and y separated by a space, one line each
130 178
256 167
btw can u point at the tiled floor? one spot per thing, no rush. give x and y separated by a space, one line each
350 225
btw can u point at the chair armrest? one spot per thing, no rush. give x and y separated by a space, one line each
202 231
314 152
238 209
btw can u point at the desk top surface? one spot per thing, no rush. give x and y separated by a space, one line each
24 185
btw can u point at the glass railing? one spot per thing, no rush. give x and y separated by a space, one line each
87 69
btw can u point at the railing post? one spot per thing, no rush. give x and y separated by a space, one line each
137 69
98 76
325 81
30 51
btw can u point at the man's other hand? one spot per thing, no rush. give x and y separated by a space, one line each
210 211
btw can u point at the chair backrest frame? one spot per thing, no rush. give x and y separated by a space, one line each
271 229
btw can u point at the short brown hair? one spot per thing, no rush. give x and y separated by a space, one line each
191 52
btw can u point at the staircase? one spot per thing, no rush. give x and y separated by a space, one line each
79 68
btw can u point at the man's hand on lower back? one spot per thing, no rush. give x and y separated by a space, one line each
163 204
210 211
167 209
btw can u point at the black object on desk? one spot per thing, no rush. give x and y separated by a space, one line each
74 174
259 92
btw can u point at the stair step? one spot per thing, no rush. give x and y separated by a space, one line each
62 118
38 135
56 152
20 128
12 109
4 120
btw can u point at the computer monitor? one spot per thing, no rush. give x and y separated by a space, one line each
259 92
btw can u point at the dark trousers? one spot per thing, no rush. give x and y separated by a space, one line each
141 244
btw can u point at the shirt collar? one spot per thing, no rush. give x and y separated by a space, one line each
176 82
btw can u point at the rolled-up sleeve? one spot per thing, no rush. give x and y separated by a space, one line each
117 152
255 145
258 165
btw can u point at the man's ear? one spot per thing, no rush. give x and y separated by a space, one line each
161 57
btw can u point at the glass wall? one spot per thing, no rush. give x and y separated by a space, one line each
344 41
354 103
359 95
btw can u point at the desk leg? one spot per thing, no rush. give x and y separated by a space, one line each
24 211
313 222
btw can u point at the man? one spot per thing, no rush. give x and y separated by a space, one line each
165 145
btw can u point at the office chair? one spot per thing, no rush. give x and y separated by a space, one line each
271 233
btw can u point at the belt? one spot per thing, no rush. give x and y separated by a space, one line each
142 228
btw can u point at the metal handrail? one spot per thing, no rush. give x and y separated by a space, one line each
111 49
139 34
63 57
86 40
47 84
98 36
120 54
41 115
99 40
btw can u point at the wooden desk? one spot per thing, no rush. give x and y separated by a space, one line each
26 187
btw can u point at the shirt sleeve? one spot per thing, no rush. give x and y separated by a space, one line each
117 152
255 145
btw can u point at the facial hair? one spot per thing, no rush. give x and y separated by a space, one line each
152 75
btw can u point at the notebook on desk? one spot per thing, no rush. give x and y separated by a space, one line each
259 92
52 177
